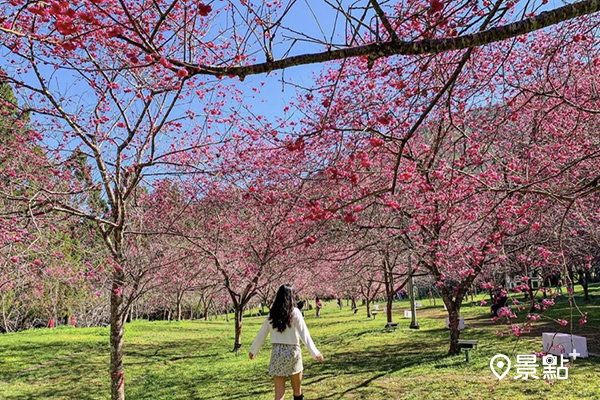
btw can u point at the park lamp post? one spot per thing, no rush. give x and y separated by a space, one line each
411 289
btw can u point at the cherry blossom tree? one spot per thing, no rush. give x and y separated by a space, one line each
250 225
137 88
452 151
122 112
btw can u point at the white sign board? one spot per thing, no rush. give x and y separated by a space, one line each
564 343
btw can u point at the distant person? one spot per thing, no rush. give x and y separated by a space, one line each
318 306
286 326
300 306
499 301
559 286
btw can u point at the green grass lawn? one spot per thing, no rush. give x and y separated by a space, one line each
192 360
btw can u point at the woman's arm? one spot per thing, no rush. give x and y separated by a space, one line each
305 335
260 338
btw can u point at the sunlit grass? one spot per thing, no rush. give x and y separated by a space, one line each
192 359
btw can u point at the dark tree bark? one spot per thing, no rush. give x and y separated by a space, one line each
394 46
239 313
118 312
454 321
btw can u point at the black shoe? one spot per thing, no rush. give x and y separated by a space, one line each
301 397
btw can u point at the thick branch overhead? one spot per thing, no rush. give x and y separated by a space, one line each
393 47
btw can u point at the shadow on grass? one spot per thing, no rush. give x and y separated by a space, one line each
377 362
61 380
190 383
50 361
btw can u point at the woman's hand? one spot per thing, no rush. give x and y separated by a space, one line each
319 357
251 356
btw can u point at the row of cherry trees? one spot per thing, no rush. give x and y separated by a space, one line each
130 157
505 163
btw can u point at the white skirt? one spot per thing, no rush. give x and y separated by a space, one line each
286 360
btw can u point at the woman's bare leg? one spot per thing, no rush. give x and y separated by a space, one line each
279 387
297 383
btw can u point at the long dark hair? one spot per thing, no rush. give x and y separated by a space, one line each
280 313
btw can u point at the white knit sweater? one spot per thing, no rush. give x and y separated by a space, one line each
290 335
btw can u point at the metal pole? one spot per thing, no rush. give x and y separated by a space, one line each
411 288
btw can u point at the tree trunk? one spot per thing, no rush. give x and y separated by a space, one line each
368 301
4 319
54 306
585 285
454 316
431 295
205 309
239 313
117 387
389 290
179 301
584 279
390 301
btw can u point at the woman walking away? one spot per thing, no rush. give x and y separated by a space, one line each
318 305
286 325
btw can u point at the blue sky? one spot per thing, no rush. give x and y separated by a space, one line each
311 18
